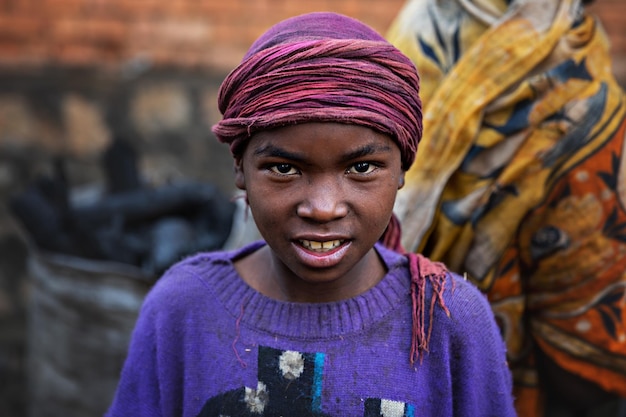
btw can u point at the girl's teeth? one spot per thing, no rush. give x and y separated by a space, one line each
320 246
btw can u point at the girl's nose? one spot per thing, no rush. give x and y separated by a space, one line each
323 203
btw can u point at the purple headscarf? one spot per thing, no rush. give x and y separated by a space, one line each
322 67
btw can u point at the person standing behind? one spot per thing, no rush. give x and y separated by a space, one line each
324 317
520 183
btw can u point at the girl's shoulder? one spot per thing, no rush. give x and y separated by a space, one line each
206 264
197 276
458 291
463 293
463 301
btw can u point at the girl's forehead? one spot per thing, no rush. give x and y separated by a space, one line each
312 132
325 138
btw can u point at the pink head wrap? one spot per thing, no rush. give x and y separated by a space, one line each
322 67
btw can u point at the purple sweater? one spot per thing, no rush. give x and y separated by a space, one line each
207 344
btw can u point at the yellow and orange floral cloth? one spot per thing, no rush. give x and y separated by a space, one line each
520 178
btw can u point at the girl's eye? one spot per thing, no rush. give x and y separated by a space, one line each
362 168
283 169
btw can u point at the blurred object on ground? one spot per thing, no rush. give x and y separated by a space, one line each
80 317
150 228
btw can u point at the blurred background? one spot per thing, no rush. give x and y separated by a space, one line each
94 88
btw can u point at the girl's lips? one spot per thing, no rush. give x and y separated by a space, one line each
324 254
321 247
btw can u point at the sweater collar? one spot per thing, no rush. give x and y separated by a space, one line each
312 320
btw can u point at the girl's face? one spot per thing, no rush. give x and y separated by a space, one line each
321 195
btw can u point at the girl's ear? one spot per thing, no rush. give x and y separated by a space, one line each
240 180
401 180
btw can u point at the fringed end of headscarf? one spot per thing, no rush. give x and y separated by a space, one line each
423 270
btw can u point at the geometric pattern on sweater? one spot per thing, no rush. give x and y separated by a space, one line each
289 384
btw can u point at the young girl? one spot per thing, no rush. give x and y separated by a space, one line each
326 316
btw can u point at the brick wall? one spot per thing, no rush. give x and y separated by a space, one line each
188 33
175 32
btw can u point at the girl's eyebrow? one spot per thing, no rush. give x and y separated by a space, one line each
366 150
275 151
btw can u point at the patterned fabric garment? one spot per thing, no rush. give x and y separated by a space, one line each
520 180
